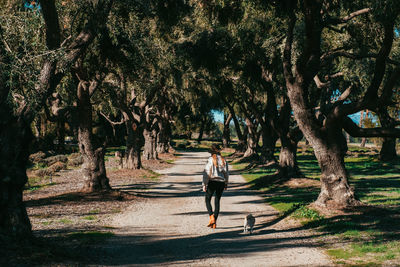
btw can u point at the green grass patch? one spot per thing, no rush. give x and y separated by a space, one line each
95 211
151 175
90 218
116 210
38 186
351 234
304 212
46 223
39 165
65 221
339 253
368 247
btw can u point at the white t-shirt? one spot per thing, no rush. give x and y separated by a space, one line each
216 173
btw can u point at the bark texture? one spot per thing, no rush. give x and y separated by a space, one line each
328 141
134 143
269 139
93 167
388 149
150 143
252 140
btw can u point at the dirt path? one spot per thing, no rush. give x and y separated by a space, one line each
169 227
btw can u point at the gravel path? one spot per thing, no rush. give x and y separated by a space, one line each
169 227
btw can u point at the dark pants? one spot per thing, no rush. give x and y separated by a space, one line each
218 188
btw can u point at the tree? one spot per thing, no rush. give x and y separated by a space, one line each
305 58
30 94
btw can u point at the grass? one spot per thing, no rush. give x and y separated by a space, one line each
369 236
35 187
152 175
65 221
96 211
90 218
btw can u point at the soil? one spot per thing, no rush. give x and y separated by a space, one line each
169 227
161 221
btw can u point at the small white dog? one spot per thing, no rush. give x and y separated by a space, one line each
248 225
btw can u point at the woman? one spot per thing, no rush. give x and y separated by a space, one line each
215 179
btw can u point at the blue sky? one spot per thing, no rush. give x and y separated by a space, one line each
218 115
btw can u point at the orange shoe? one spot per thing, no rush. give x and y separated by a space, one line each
214 226
212 221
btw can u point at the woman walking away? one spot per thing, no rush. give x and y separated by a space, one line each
215 179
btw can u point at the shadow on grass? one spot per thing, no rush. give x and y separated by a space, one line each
376 184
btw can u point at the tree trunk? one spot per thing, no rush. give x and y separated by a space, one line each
134 143
363 140
163 137
288 167
252 141
15 138
329 148
36 126
149 151
226 135
268 145
334 185
388 149
133 158
93 167
201 131
242 141
61 135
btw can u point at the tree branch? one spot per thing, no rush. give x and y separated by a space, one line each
345 94
335 21
342 53
351 128
388 88
110 121
287 53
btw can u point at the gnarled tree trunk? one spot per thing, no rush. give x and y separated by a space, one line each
334 177
134 143
93 167
149 151
268 145
388 149
288 167
163 136
329 148
252 141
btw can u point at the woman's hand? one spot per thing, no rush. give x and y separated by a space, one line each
204 188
